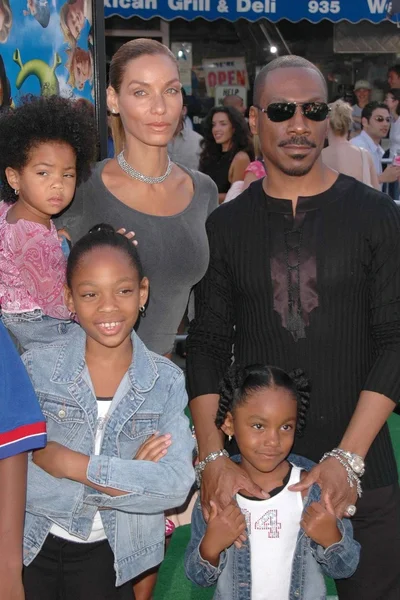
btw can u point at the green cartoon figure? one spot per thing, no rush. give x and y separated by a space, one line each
48 80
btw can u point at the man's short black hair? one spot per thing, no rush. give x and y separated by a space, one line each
370 107
394 69
283 62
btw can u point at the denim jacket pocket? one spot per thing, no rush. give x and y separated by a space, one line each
60 410
140 425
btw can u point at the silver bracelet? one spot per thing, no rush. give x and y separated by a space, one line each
352 478
210 458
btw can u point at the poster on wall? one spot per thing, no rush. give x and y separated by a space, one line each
47 47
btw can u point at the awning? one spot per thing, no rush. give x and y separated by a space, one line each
315 11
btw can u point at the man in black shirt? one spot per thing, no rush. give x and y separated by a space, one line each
305 272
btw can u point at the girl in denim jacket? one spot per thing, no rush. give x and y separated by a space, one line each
281 547
120 446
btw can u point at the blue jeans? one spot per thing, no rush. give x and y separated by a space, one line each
33 328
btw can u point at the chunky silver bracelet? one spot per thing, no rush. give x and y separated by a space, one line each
352 478
210 458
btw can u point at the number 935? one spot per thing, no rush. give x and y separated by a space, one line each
324 7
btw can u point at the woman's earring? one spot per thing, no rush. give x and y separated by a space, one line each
142 311
113 111
229 438
72 316
16 192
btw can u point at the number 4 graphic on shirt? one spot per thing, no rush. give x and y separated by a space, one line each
268 522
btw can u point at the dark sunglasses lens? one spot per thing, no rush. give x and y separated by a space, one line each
315 111
281 111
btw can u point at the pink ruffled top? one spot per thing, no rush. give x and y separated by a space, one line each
257 168
32 268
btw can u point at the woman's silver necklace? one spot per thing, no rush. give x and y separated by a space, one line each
137 175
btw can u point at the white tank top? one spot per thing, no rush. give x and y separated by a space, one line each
273 526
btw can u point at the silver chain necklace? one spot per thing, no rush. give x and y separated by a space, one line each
137 175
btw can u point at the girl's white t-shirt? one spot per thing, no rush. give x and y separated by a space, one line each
97 534
273 526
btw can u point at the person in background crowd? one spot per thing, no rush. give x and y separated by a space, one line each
362 91
227 148
119 449
394 77
235 101
375 120
184 148
254 171
47 146
392 101
288 257
187 121
141 190
22 429
342 156
291 547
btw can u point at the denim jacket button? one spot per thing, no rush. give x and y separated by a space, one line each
61 413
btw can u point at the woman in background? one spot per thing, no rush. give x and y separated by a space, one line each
227 149
342 156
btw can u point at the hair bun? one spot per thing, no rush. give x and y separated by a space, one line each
105 227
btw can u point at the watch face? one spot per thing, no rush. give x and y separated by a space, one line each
357 464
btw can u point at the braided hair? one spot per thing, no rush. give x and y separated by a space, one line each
240 382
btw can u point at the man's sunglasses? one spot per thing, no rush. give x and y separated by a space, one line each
283 111
381 119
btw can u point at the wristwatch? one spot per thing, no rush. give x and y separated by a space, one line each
210 458
355 462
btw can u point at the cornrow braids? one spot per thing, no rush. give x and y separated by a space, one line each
240 382
303 392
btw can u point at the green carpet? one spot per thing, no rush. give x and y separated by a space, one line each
172 583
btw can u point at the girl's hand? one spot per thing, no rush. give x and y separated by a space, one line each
320 525
63 233
154 448
223 529
55 459
130 235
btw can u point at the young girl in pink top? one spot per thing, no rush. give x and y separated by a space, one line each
46 147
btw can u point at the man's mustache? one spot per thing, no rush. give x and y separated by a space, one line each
297 141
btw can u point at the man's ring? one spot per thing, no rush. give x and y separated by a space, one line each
351 510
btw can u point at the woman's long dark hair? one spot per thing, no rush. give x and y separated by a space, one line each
241 139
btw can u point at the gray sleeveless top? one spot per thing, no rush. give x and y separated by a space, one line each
174 249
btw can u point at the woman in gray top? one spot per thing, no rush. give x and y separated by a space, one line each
166 205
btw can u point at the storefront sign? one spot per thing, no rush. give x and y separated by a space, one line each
354 11
222 92
225 72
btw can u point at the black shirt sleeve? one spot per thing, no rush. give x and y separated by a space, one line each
385 299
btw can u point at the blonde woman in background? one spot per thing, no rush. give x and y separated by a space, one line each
340 155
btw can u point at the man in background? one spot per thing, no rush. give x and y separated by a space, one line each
394 77
375 121
362 91
235 101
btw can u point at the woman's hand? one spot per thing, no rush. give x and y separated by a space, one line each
128 234
11 587
320 525
55 459
221 480
223 528
331 476
154 448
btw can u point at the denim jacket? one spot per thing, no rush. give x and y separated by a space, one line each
150 398
310 562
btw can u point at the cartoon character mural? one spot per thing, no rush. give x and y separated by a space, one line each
40 10
6 20
5 88
47 48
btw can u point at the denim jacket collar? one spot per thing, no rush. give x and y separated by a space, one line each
143 371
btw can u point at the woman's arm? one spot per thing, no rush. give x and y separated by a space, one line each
238 166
